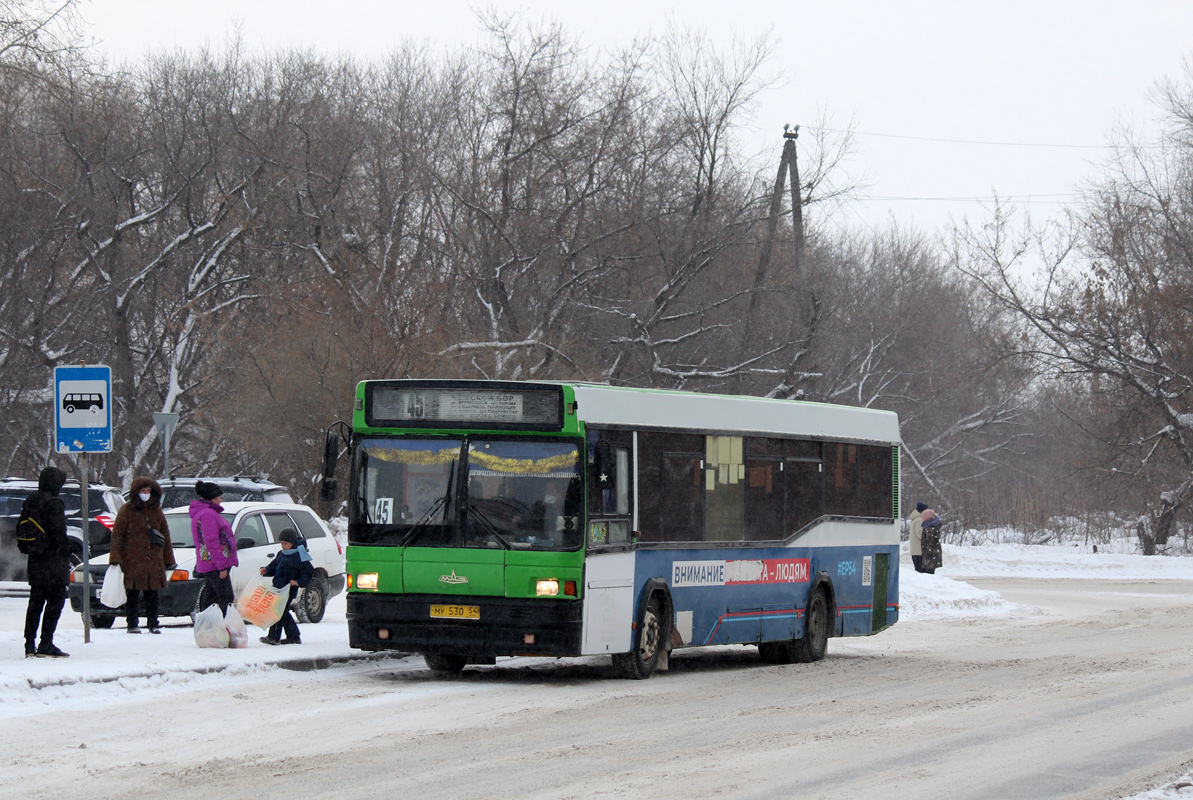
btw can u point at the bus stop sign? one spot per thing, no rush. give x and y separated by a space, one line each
83 409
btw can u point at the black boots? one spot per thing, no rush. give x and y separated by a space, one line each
51 651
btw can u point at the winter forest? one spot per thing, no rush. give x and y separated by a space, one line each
244 237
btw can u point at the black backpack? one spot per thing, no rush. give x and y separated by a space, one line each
32 539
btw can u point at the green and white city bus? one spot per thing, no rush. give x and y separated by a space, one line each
513 518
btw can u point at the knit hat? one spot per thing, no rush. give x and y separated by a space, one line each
288 535
920 506
208 491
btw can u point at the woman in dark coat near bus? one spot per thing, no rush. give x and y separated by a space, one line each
141 546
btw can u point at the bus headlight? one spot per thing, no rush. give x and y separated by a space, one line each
366 580
548 588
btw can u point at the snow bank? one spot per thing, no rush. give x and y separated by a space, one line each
116 663
1059 561
1179 789
925 596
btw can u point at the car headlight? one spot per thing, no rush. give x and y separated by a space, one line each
366 580
547 588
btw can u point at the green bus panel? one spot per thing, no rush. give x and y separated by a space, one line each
572 424
385 561
525 568
438 570
464 571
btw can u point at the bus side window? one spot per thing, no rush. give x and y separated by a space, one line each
611 488
841 479
621 490
765 489
876 480
803 478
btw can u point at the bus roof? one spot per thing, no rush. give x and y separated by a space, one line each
662 408
599 404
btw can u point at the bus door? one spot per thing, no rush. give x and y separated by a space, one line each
609 565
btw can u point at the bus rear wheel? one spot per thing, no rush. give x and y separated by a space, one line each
813 645
445 664
640 663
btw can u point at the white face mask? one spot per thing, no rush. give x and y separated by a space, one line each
144 497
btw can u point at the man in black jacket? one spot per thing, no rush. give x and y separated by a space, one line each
49 571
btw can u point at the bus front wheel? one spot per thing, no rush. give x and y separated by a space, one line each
447 665
640 663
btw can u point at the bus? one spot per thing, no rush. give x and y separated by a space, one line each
490 518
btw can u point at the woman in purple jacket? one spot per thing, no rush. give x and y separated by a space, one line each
215 547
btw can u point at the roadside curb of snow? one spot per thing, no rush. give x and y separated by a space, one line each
293 664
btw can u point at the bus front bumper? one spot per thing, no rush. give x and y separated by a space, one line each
506 626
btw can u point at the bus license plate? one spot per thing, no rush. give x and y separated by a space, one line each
456 612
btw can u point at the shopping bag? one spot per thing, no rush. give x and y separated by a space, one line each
260 603
238 634
112 594
209 628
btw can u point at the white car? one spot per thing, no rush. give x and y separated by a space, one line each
256 527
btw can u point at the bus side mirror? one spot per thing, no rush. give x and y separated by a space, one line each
331 454
604 465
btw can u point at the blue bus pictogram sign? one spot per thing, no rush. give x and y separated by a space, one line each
83 409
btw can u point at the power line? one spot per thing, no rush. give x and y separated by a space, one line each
1027 198
964 141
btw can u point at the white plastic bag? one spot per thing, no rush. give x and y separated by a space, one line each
209 628
260 603
112 594
238 634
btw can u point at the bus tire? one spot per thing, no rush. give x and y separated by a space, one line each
447 665
813 645
640 663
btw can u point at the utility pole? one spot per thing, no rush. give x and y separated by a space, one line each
788 176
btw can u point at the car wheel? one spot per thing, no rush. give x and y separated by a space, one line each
102 621
70 409
311 603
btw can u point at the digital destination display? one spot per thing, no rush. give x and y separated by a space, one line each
465 407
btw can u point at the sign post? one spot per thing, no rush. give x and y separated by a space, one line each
165 424
83 424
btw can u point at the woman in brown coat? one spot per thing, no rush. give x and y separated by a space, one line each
144 555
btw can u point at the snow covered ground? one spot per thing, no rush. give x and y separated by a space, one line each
115 664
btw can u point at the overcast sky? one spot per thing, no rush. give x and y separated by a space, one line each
1065 74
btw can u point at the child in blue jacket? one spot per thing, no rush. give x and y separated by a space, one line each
293 566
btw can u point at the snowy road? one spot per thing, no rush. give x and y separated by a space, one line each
1084 692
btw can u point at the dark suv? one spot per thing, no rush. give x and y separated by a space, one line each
179 492
102 504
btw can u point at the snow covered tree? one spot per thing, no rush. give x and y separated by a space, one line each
1111 310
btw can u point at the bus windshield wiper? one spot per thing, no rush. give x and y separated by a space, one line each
418 527
440 502
488 525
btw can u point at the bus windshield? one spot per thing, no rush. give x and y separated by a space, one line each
523 495
516 495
